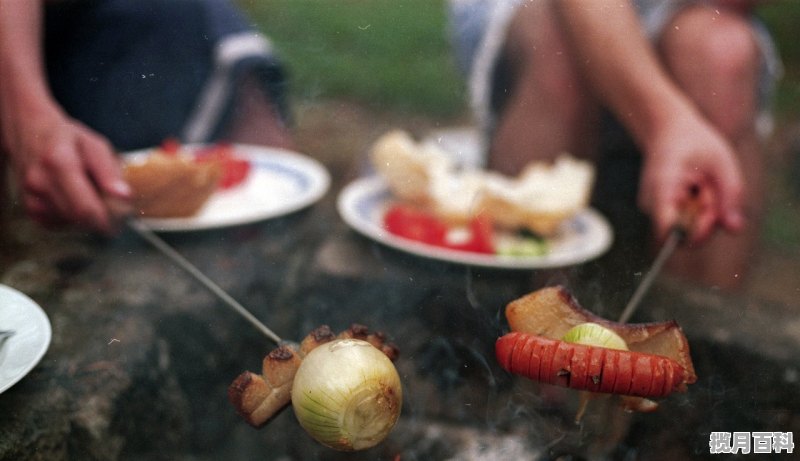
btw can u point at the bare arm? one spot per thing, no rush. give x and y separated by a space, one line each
681 148
66 171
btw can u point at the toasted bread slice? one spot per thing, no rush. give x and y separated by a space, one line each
171 186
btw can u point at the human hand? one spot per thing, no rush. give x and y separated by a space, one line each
67 173
690 164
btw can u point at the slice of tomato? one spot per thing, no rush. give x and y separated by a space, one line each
415 224
234 169
170 146
481 236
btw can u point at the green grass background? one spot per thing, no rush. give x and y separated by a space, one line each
782 17
782 223
385 54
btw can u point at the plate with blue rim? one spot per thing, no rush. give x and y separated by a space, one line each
22 351
586 236
279 182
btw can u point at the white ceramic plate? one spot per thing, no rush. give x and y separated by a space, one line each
363 202
25 349
280 182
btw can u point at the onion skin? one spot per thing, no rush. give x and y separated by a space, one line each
347 395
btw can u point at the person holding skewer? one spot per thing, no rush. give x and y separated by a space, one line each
80 80
689 82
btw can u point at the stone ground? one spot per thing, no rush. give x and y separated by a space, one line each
339 134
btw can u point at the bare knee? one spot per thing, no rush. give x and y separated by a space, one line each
714 43
545 63
728 50
714 56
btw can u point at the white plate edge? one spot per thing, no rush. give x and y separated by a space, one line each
44 322
318 175
355 189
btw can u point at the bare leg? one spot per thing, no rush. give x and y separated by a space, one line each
549 109
713 56
256 120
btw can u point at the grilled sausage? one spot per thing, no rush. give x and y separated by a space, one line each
589 368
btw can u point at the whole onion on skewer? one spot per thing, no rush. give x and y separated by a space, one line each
347 394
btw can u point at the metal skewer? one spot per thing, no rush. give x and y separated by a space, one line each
673 239
689 210
184 264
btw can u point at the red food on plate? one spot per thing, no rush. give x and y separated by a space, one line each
419 225
234 169
481 236
414 224
170 146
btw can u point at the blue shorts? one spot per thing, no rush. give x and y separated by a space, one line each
139 71
478 31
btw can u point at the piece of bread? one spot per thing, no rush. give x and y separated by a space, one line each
408 167
542 197
171 186
539 199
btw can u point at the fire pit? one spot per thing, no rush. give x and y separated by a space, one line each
142 356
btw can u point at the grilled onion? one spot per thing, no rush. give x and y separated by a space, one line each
347 395
593 334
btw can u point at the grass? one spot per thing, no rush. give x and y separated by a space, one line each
782 18
782 222
379 53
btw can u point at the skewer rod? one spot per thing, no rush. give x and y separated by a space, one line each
670 244
184 264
